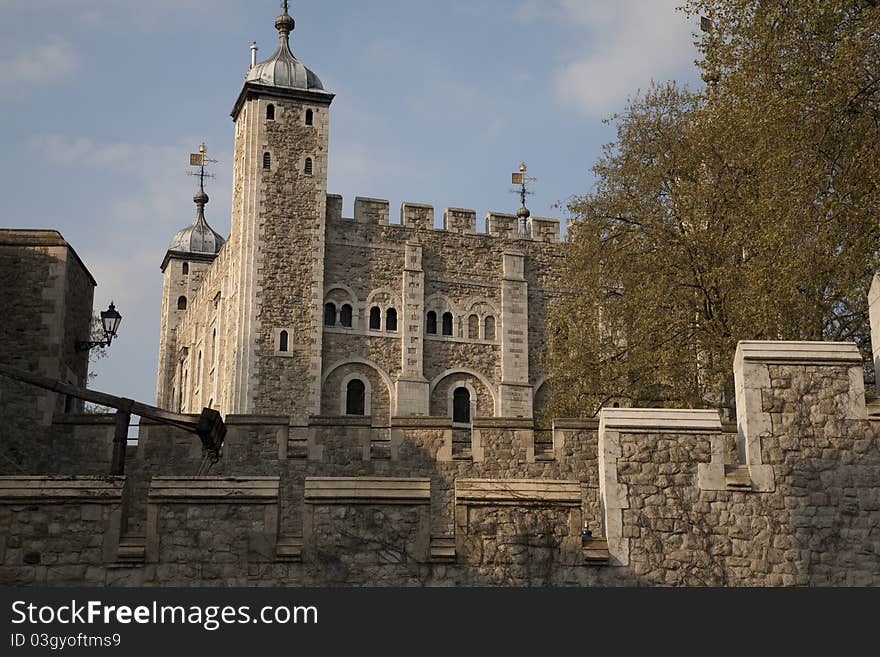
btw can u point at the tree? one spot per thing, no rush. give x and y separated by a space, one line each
748 210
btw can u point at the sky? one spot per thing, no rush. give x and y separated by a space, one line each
437 102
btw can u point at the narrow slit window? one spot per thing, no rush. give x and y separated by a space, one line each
270 112
431 323
391 319
489 328
375 319
181 303
473 327
310 117
267 161
185 268
330 314
309 167
355 394
447 323
345 316
283 341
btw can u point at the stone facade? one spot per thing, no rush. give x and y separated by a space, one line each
671 497
47 294
301 301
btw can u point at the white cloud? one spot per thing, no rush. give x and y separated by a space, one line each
625 45
54 61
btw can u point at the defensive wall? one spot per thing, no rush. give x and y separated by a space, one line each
791 496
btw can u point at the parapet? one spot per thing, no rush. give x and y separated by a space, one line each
545 230
416 215
457 220
371 211
460 221
501 225
334 207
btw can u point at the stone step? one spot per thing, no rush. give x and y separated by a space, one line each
132 549
738 477
443 549
289 548
595 551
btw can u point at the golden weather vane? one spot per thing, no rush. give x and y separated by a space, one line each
523 179
201 160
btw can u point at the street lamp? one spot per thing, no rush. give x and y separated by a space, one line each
110 321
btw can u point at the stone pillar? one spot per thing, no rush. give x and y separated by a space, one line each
516 393
412 387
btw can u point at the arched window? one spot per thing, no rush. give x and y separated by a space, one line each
310 117
489 328
431 323
185 268
270 112
461 406
375 318
330 314
473 327
308 168
345 316
181 303
355 392
447 323
267 161
391 319
283 341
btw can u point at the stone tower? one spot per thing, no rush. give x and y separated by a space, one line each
189 256
279 201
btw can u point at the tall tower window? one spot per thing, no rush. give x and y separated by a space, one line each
267 161
431 323
283 341
375 318
391 319
447 323
310 117
461 406
270 112
489 328
355 394
309 167
345 316
473 327
181 303
330 314
185 268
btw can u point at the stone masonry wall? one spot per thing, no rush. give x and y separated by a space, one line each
805 511
51 292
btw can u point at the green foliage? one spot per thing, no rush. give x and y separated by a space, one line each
747 211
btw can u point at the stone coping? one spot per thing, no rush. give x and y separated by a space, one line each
245 490
660 419
503 423
798 352
257 420
576 423
340 421
421 422
517 492
36 489
367 490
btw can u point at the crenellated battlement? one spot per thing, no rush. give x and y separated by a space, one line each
462 221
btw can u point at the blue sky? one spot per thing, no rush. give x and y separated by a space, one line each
437 102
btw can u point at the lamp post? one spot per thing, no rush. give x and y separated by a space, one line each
110 321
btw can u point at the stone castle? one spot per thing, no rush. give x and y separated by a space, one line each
304 313
379 384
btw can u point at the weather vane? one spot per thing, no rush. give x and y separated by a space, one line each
523 179
201 160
